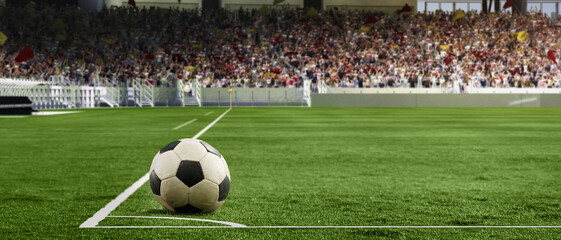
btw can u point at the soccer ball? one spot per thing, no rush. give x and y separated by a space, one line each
189 176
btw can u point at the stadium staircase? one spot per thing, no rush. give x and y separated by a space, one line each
190 101
143 93
189 94
110 96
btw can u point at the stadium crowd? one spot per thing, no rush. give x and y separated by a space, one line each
279 47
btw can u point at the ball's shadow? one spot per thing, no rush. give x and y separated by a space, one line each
158 211
163 211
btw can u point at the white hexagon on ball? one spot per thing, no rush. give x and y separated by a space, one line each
189 176
190 149
165 164
213 168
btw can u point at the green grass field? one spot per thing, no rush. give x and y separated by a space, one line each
292 167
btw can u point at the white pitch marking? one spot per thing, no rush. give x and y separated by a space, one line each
211 124
404 226
230 224
105 211
208 113
13 116
525 100
166 227
102 213
185 124
54 113
319 227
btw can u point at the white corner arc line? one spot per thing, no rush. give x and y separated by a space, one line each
184 124
105 211
208 113
230 224
129 227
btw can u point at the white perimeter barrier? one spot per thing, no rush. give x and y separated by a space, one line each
443 90
51 97
45 96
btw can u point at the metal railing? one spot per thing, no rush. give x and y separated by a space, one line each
189 94
50 95
143 93
322 87
196 86
111 96
307 93
181 91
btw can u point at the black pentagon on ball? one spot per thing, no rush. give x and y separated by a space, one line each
155 183
223 189
190 173
188 209
169 147
211 149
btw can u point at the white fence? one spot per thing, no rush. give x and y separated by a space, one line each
51 95
46 96
307 92
254 97
443 90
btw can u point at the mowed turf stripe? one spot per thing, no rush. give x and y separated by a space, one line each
105 211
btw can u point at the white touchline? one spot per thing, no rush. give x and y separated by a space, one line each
403 226
185 124
47 113
525 100
348 227
102 213
13 116
211 124
208 113
105 211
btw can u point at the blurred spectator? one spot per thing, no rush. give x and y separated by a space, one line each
278 47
